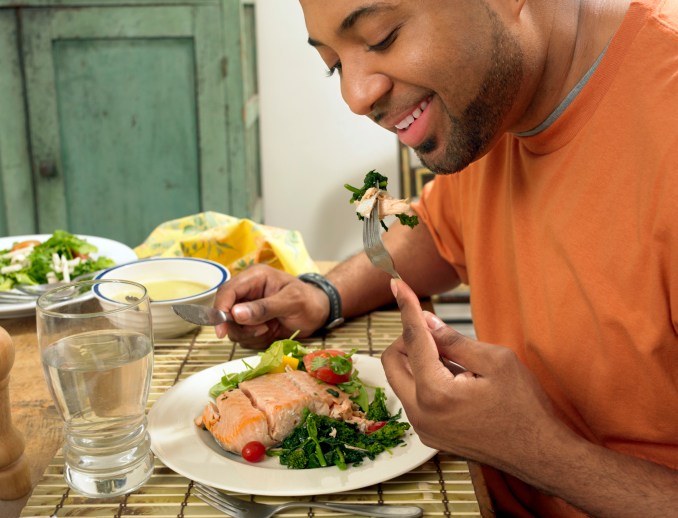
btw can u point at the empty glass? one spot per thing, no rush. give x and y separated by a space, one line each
96 346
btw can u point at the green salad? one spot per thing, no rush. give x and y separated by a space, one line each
62 257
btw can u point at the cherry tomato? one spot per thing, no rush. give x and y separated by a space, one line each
253 451
25 244
330 366
375 426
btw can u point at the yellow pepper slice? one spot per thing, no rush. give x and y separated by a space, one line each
286 360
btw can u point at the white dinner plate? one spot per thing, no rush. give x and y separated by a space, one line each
118 252
193 453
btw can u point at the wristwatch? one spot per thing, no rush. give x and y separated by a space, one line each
335 318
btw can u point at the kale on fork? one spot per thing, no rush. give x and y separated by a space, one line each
374 179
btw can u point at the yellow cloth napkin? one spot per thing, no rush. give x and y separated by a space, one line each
236 243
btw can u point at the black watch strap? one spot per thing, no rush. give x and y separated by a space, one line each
335 318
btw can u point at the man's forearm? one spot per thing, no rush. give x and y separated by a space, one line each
602 482
362 287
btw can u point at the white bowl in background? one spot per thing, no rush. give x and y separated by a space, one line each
166 324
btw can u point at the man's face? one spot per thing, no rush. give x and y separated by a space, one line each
442 74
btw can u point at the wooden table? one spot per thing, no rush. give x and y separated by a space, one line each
444 486
33 412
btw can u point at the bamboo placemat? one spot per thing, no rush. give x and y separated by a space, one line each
443 486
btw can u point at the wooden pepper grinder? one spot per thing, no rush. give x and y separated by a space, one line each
15 475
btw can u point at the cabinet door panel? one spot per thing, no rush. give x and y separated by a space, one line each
114 98
16 189
127 122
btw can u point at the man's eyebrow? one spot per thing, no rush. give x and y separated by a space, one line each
358 13
354 17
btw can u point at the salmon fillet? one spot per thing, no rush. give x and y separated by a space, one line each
233 422
269 407
280 399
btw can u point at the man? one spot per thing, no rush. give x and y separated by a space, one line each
562 118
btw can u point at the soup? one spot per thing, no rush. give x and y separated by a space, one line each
173 289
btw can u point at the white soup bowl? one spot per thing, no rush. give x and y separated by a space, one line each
155 272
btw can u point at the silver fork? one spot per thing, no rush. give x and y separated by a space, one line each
374 246
15 297
38 289
376 251
245 509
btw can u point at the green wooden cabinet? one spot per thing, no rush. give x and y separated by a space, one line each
120 116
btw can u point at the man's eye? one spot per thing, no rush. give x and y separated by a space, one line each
334 68
386 42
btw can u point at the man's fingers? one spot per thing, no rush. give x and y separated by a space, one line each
426 338
399 373
472 355
239 332
279 305
419 344
221 330
251 284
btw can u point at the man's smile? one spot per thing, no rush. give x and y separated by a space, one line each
405 123
414 128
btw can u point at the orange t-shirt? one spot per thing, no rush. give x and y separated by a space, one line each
569 242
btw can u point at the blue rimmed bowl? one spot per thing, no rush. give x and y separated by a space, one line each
172 280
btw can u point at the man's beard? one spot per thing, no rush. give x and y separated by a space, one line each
476 129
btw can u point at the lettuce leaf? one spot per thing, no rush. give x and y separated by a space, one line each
269 360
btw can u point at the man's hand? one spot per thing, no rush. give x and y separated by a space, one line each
498 415
269 304
501 417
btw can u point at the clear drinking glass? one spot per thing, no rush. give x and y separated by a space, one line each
96 346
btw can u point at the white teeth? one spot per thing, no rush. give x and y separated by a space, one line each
405 123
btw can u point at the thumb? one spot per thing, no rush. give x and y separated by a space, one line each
455 346
290 302
255 311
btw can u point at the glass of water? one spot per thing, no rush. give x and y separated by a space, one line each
96 346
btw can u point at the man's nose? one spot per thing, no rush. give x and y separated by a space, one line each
362 88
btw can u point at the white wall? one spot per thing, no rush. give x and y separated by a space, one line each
312 144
